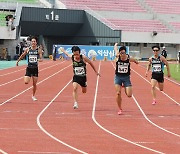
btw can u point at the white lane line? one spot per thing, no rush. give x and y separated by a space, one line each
44 152
3 152
20 129
53 137
20 69
172 81
144 142
150 120
32 86
94 119
13 72
156 87
23 76
166 78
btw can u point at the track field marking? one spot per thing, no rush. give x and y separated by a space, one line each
156 87
23 76
94 119
144 142
13 72
44 152
150 120
3 152
41 127
20 129
70 113
172 81
145 114
19 69
32 86
10 111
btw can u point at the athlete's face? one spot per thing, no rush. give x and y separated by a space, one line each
122 53
156 51
33 42
76 54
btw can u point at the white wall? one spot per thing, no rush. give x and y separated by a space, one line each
146 37
6 33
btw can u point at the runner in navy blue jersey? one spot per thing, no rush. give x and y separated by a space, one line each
34 54
157 62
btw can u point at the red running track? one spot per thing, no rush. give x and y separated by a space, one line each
51 125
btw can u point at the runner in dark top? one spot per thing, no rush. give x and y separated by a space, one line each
122 74
34 54
79 68
157 62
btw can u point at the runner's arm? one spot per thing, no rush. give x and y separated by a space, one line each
22 56
148 67
92 65
167 65
65 52
40 54
134 60
116 50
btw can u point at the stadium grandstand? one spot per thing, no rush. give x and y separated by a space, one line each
138 24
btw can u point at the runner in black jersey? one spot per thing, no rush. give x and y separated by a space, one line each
34 54
79 69
157 62
122 74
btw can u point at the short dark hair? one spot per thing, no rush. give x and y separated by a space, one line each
34 37
122 48
75 48
155 46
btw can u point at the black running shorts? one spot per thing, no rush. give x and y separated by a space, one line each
32 71
159 77
81 80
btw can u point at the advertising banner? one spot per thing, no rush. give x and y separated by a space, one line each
97 52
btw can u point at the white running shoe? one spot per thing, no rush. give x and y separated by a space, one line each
34 98
75 105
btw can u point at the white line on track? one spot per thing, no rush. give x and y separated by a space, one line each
32 86
3 152
23 76
150 120
172 81
40 126
27 129
43 152
156 87
94 119
20 69
13 72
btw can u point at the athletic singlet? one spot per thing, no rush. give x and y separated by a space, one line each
32 57
123 67
157 65
79 68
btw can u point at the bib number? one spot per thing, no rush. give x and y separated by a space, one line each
32 58
122 69
157 68
79 71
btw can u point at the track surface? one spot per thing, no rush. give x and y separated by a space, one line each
51 125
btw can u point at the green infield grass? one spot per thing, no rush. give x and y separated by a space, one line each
174 70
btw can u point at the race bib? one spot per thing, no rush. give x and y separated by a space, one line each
157 68
79 71
122 69
32 58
